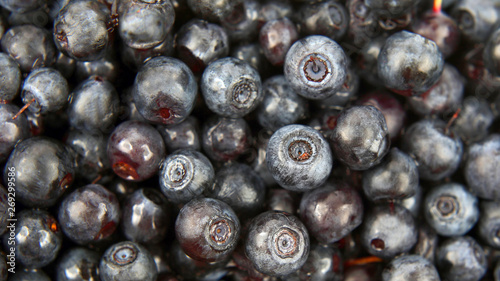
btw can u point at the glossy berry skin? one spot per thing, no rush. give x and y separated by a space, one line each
213 11
151 223
225 139
11 73
127 261
427 242
90 201
94 105
81 30
160 100
444 97
49 89
145 24
240 187
411 268
390 8
231 87
480 168
450 209
315 67
253 54
198 43
490 53
409 64
437 152
277 243
30 46
276 37
279 199
78 264
328 18
136 58
20 6
476 19
299 158
185 135
135 150
474 120
395 178
367 58
323 264
391 108
440 28
207 229
489 223
50 171
107 67
388 230
360 138
274 9
37 237
331 212
242 23
347 93
185 175
91 156
461 258
281 105
13 130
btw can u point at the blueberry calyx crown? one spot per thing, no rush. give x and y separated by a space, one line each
125 255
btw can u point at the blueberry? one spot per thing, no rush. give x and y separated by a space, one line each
480 168
388 230
242 23
461 258
276 37
92 160
160 100
48 88
315 67
199 43
81 30
145 24
328 18
390 8
440 28
274 9
427 242
78 264
360 138
413 203
13 130
44 169
436 151
186 174
279 199
281 104
450 209
213 11
207 229
90 201
489 223
21 6
410 268
409 64
367 58
136 58
231 87
127 261
331 212
65 65
490 53
474 120
299 158
444 97
225 139
11 73
392 109
395 178
323 264
251 53
240 187
150 225
94 105
107 67
347 93
363 24
38 238
185 135
135 150
30 46
277 243
476 19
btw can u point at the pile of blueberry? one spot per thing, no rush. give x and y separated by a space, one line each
268 140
